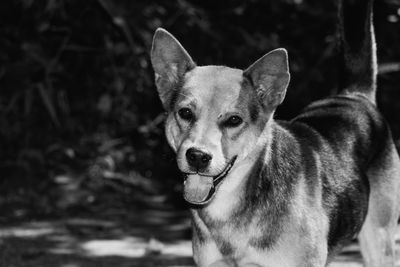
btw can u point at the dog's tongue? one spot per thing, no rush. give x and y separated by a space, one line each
196 188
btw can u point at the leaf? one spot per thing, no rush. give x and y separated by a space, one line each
48 103
104 104
27 3
28 99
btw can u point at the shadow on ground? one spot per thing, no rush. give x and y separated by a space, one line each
150 237
142 238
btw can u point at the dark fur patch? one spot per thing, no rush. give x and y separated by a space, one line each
269 190
225 247
348 130
254 110
240 131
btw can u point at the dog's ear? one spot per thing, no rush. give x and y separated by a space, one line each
269 76
170 63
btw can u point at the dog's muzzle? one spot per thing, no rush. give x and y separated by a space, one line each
199 190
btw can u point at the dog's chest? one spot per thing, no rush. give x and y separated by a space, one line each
233 240
244 246
240 236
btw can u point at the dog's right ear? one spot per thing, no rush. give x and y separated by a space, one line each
269 76
170 63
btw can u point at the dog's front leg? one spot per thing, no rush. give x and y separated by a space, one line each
206 252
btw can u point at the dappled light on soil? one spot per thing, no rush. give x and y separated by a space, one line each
127 247
141 238
96 242
24 232
132 247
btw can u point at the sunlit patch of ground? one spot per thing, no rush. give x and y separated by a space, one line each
151 238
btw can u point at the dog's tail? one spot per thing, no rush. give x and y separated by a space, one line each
358 67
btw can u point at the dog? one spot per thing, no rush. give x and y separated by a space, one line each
264 192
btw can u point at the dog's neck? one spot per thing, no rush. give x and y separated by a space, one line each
256 179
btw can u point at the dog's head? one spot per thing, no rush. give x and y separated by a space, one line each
216 114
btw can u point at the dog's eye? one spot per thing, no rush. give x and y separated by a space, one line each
233 121
186 114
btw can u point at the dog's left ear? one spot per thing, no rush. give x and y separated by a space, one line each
170 63
269 76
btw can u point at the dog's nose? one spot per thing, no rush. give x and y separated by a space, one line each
198 159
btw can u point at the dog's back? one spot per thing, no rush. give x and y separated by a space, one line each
352 146
339 138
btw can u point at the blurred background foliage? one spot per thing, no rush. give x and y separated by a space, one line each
81 126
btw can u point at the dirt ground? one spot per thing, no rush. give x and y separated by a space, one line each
140 237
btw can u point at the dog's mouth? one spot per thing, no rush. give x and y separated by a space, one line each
199 190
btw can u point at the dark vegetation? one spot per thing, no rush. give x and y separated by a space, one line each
81 127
